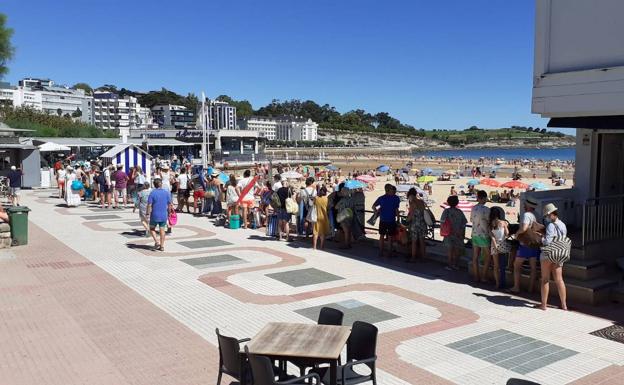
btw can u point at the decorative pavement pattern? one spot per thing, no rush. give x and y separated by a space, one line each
86 302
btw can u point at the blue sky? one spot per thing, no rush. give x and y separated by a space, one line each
432 64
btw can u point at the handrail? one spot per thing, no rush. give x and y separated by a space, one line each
603 219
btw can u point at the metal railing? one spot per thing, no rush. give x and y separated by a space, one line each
603 219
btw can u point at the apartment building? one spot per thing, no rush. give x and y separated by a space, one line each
173 116
111 112
267 127
219 115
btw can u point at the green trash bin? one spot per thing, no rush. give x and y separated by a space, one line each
18 219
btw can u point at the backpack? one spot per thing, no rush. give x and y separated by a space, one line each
446 228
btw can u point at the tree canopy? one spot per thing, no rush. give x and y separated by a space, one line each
83 86
6 48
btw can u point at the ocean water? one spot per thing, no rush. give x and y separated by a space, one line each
564 154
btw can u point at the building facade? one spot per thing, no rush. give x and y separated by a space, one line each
173 116
43 95
266 126
218 115
110 112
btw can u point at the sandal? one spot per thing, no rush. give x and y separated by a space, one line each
161 248
156 246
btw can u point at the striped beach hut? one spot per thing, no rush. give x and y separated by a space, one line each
129 155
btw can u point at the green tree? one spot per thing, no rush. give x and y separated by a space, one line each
59 112
83 86
6 49
77 113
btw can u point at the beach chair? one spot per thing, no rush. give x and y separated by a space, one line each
431 224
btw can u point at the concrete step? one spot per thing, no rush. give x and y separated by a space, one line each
584 269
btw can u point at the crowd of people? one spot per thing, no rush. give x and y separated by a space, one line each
318 204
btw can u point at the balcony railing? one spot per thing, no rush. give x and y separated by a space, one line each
603 219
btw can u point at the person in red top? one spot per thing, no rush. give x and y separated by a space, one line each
120 179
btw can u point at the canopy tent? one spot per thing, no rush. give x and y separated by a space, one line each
53 147
129 156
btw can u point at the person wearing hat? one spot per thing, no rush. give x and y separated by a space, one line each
214 188
525 252
555 229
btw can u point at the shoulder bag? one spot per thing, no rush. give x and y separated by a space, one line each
558 251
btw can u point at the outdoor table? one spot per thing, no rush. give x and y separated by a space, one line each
317 343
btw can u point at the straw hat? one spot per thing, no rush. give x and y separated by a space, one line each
549 209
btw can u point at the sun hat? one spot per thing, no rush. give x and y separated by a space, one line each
549 209
531 203
215 173
13 168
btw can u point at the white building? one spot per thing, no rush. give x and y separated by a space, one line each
43 96
173 116
219 115
282 128
266 126
110 112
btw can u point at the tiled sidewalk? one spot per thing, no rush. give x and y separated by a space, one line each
87 301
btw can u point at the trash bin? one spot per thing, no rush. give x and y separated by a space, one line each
18 219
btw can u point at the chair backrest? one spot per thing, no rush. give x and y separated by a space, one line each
362 342
330 316
261 369
517 381
229 352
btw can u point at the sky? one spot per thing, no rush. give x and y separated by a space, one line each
432 64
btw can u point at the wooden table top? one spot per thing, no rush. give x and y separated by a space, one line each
300 340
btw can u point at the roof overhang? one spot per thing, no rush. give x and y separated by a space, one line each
592 122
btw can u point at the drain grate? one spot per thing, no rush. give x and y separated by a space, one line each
611 333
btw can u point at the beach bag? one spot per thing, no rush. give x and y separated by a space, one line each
447 228
210 193
272 226
276 202
503 247
77 185
173 218
291 206
532 238
267 197
558 251
345 214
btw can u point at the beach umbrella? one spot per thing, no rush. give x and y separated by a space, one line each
451 172
539 186
366 178
426 179
352 184
515 184
428 170
291 175
383 168
556 169
490 182
464 206
473 182
331 167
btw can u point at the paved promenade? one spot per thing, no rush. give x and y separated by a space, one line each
89 302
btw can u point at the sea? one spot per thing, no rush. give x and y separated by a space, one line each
563 154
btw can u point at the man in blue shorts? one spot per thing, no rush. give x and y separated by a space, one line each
524 251
159 206
387 207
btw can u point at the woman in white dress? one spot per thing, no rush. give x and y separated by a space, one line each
72 197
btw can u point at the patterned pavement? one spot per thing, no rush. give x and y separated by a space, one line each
88 301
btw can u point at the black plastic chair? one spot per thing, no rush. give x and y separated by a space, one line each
231 360
517 381
263 373
361 348
327 316
330 316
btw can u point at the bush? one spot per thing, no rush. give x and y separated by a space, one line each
49 125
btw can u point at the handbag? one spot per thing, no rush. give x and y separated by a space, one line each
446 229
503 247
77 185
173 218
532 237
558 251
